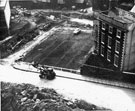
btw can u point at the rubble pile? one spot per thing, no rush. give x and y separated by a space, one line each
12 45
26 97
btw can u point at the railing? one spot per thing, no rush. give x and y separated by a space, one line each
130 73
63 69
91 79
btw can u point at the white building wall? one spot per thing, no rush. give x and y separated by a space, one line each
61 2
48 1
129 56
7 12
79 1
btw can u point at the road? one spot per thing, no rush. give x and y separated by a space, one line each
117 99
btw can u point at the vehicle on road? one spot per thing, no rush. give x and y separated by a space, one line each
77 31
45 73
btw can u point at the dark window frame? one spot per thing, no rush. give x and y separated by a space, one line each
109 55
102 52
102 38
110 31
117 46
116 60
103 26
118 33
109 42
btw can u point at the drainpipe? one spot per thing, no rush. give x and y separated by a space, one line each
124 51
132 28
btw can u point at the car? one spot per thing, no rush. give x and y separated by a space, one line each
77 31
81 10
47 73
84 11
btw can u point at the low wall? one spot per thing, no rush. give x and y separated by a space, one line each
102 73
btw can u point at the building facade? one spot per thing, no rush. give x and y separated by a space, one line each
4 18
43 4
115 42
103 5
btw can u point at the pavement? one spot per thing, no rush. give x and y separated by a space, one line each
73 74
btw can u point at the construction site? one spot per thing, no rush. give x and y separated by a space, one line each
44 37
67 44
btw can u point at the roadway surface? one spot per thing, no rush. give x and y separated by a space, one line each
117 99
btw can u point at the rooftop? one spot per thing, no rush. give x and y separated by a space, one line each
118 17
2 3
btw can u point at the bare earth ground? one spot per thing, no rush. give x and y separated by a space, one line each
62 49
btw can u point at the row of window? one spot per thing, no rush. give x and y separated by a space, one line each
116 57
118 33
109 43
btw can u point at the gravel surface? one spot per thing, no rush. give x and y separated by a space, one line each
62 49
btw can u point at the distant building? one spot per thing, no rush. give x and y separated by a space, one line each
101 5
61 2
4 18
47 1
79 1
42 4
133 9
126 4
116 38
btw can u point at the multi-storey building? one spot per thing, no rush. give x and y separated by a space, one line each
4 18
103 5
116 38
33 4
126 4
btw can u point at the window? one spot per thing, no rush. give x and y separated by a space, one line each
109 42
109 55
102 50
117 46
110 29
102 38
103 26
118 33
116 60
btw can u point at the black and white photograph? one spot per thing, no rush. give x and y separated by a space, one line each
67 55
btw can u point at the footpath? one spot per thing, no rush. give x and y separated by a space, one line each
73 74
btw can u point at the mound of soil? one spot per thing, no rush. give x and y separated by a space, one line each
27 97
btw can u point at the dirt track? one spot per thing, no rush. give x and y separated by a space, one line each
63 49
